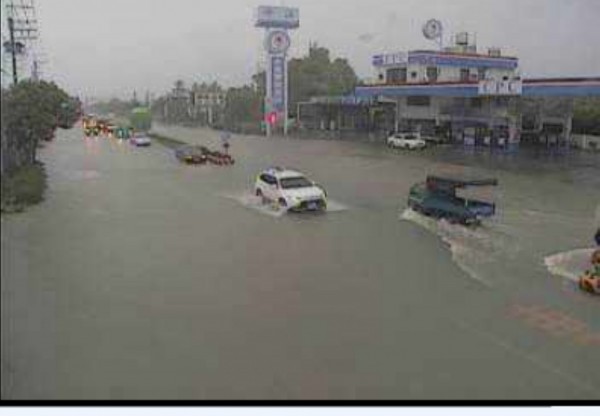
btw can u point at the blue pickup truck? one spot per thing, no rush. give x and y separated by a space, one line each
437 197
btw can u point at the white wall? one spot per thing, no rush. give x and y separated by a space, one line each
583 141
445 74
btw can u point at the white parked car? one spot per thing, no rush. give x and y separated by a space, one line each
290 190
140 140
406 141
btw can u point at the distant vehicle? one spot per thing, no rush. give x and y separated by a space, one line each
190 154
140 140
201 154
109 129
437 197
406 141
290 189
122 132
217 158
103 126
91 131
90 126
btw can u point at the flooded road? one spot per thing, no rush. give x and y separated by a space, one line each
142 278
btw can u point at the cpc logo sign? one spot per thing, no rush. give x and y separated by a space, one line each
277 41
492 87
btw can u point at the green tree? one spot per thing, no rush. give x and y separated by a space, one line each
121 108
314 75
70 111
31 112
586 115
243 106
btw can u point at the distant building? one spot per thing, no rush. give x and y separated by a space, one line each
467 97
208 107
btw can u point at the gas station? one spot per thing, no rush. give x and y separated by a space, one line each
457 93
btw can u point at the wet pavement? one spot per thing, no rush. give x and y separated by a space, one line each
143 278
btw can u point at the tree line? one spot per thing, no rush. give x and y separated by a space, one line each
242 108
31 113
586 116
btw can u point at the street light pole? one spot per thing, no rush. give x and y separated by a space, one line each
285 96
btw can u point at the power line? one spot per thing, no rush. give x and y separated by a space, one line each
23 37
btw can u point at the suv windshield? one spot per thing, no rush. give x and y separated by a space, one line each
297 182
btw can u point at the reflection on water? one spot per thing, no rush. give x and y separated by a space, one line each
273 209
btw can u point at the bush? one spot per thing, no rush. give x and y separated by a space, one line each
586 117
23 187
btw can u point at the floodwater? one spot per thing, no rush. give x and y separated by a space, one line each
142 278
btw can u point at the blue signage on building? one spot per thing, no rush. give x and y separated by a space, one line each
425 58
389 59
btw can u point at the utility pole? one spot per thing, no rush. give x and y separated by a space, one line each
13 49
35 73
23 31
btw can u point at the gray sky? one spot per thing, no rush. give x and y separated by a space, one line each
111 47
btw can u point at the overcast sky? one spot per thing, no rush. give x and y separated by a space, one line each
111 47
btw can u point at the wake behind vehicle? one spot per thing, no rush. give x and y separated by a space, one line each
437 197
410 140
290 190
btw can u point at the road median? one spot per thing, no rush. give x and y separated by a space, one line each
166 141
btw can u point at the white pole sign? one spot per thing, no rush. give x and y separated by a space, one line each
276 21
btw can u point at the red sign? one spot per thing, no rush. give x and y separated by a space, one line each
271 118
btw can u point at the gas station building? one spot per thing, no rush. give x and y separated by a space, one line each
456 93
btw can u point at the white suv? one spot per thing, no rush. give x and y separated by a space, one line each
406 141
290 189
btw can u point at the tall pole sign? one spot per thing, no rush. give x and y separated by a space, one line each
276 21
